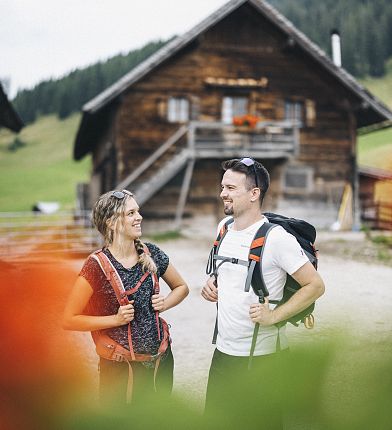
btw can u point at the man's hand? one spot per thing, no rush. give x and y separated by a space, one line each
158 302
261 313
210 290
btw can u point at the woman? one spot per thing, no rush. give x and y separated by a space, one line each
116 297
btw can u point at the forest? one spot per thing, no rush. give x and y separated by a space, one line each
365 27
68 94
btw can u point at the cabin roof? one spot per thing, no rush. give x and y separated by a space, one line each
375 173
8 116
373 110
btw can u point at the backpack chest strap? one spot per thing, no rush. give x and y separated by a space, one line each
232 260
223 260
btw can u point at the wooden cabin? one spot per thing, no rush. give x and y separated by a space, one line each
243 82
8 116
375 194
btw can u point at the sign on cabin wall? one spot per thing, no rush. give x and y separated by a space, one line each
240 82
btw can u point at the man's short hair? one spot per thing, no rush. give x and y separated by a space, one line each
262 180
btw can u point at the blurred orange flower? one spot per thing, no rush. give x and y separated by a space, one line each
246 120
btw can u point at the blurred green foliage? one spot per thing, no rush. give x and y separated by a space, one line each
335 386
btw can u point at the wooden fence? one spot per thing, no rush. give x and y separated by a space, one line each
27 234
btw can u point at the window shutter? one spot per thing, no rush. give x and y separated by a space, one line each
310 113
162 108
195 108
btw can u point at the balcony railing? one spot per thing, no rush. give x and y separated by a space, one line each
272 139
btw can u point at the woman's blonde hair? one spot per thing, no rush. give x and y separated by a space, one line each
108 217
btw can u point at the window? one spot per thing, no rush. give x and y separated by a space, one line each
293 111
298 179
233 106
178 109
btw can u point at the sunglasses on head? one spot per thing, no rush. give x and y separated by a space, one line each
250 162
121 194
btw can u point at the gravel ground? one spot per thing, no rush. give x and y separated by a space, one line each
358 300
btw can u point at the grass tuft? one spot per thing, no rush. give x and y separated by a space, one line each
165 236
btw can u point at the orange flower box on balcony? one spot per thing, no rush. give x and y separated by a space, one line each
246 120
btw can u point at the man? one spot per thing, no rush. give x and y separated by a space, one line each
244 185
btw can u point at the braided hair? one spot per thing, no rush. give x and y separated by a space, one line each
108 217
147 263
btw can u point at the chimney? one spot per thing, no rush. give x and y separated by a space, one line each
336 53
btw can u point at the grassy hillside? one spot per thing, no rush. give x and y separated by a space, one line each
41 168
375 149
381 87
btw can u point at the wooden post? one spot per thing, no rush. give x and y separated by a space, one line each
378 216
184 193
187 176
354 174
296 139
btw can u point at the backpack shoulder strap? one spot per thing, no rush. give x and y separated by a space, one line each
255 277
153 274
111 275
211 264
223 230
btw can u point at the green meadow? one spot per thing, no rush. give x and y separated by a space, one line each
375 149
381 87
37 165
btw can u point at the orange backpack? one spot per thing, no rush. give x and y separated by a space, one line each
108 348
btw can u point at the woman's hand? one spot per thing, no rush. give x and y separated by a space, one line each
158 303
179 290
125 314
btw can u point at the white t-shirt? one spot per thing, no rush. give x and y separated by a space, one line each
282 255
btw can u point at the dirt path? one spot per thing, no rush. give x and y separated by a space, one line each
358 300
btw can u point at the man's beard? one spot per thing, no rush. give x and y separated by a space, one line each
228 211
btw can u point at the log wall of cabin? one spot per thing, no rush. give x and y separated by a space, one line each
105 163
367 187
243 45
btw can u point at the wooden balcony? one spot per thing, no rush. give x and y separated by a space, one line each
196 140
271 139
